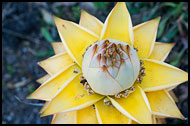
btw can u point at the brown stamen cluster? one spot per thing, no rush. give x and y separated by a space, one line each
107 102
86 85
125 93
112 53
141 73
110 56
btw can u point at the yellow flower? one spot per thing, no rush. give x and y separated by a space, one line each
70 102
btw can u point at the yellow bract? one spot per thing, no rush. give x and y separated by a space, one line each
64 118
145 36
76 117
41 80
55 83
163 105
160 75
161 51
110 115
75 38
134 106
58 47
90 22
72 97
87 116
56 63
118 25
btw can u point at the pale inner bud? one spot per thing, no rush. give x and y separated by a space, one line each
110 66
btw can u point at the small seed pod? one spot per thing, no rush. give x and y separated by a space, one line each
125 94
143 74
75 71
141 62
83 81
81 77
106 100
118 95
90 92
87 87
132 88
136 49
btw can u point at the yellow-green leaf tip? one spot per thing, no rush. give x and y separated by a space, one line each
42 114
158 18
28 97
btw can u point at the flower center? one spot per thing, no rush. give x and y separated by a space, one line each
110 66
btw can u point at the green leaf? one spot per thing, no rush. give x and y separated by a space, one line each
177 10
100 5
76 12
46 34
169 4
30 88
44 53
178 58
170 35
10 69
162 26
47 17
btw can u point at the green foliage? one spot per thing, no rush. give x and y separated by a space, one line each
178 58
10 69
44 53
101 5
76 12
30 88
46 34
162 26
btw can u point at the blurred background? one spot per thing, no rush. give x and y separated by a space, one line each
27 33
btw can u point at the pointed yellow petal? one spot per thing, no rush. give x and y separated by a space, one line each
160 75
90 22
56 63
162 104
73 97
109 114
75 38
135 106
118 25
44 107
64 118
58 81
58 47
145 36
87 116
43 79
161 51
83 116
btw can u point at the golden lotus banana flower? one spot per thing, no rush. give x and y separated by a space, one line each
109 72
